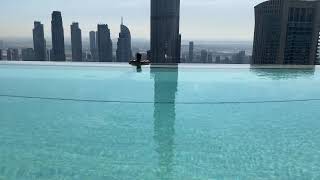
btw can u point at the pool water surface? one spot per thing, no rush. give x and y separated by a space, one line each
64 122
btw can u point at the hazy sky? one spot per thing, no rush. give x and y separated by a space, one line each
200 19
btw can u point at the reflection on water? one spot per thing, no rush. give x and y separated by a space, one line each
139 69
165 88
278 74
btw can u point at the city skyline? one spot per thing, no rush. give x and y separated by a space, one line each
165 36
205 24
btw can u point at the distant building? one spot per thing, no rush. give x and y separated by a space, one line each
250 60
93 46
51 55
286 32
9 54
76 42
197 58
12 54
183 59
84 57
204 56
1 57
39 43
104 43
124 52
149 55
49 51
210 57
191 53
226 60
58 49
28 54
89 57
1 44
15 54
165 37
239 58
218 60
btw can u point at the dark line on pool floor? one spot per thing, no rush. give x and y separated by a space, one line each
151 102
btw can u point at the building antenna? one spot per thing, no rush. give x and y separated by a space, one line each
121 20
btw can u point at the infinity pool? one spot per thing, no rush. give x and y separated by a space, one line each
114 123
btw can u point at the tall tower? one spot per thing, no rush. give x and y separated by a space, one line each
76 42
124 53
165 36
39 43
58 48
104 43
286 32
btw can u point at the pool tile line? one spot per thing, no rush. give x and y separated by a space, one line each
154 102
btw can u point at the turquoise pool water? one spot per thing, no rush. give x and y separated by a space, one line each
187 123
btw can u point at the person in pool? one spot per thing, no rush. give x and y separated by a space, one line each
139 61
138 57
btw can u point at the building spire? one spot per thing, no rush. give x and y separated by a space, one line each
121 20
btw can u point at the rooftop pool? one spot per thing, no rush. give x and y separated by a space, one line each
73 121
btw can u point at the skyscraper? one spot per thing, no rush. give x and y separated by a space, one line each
39 43
1 54
104 43
165 37
93 45
124 53
76 42
191 55
58 48
286 32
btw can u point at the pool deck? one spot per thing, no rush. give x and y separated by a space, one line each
182 65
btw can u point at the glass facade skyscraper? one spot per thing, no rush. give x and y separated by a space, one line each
124 53
39 43
286 32
165 36
76 42
104 43
58 48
